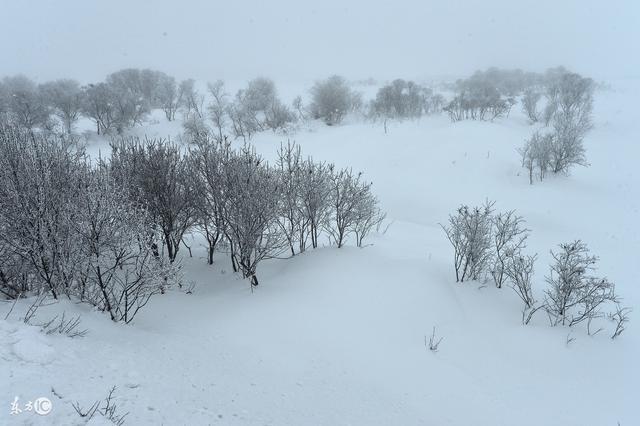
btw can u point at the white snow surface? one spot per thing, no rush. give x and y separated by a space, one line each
337 336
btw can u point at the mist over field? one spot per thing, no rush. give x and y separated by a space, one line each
308 40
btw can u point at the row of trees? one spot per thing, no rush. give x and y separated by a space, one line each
405 99
124 99
489 244
567 119
109 233
490 94
67 228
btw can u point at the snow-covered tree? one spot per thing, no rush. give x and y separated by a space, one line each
331 100
509 237
574 294
65 99
251 211
158 177
470 233
119 270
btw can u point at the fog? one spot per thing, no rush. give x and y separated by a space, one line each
306 40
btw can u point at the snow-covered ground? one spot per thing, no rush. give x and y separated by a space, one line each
337 336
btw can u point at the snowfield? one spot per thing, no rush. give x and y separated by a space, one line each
337 336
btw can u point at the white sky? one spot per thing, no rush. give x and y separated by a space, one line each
300 40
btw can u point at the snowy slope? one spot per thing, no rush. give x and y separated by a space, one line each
336 336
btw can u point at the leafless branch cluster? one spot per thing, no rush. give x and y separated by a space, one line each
332 100
487 95
68 228
262 211
568 114
434 342
574 295
620 318
485 242
60 324
404 99
470 233
106 408
530 99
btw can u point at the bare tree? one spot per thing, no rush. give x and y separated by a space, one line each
157 176
538 153
192 100
98 105
251 211
530 100
401 99
509 237
218 107
25 103
368 216
469 232
209 158
316 193
567 148
620 318
298 106
519 269
331 100
347 189
40 177
574 294
477 99
291 218
65 99
130 103
278 116
120 272
569 112
168 96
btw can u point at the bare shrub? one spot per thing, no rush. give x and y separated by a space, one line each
353 207
315 189
66 326
477 99
106 408
509 237
157 176
331 100
469 232
278 116
131 105
98 105
251 211
25 103
400 99
291 218
537 153
434 342
620 318
119 270
40 178
168 96
192 101
218 107
530 99
574 295
210 193
64 97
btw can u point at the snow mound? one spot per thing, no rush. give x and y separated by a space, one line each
31 346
